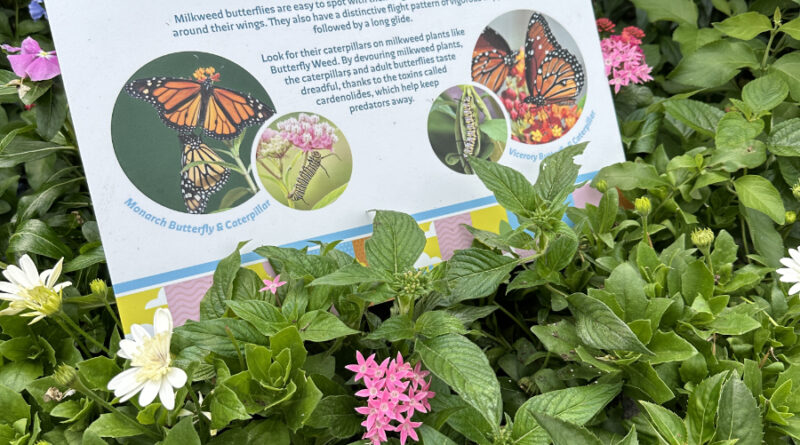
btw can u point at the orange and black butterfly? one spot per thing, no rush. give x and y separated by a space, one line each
553 75
205 177
186 104
492 59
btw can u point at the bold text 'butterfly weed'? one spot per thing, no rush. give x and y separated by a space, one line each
186 104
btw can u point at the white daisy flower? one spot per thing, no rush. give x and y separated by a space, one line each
791 273
150 373
28 290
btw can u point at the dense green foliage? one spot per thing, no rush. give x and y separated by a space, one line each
629 325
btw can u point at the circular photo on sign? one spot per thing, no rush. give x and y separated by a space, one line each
534 64
182 129
464 121
303 160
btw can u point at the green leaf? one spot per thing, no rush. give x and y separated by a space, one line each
788 66
576 405
265 317
565 433
669 426
644 377
432 437
34 236
758 193
669 347
465 368
436 323
680 11
289 338
297 263
182 434
113 425
628 288
352 274
51 111
396 242
697 115
725 249
630 439
97 372
714 64
476 273
690 37
17 375
784 140
738 417
225 407
215 336
697 280
745 26
319 326
213 304
765 93
557 174
14 406
337 413
510 187
733 322
702 408
396 328
300 407
792 28
767 241
631 175
598 327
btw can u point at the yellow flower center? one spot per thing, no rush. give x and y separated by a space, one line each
153 358
42 299
44 54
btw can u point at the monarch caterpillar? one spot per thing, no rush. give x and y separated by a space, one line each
470 129
307 171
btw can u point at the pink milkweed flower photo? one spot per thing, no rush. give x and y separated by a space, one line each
31 61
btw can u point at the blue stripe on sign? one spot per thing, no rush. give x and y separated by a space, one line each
356 232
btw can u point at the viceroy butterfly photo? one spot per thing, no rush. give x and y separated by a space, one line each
180 131
533 63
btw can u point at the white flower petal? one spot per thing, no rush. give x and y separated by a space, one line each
794 289
162 321
127 348
788 262
166 395
790 277
8 287
125 379
11 297
11 311
149 392
30 269
176 377
56 272
139 333
16 276
795 254
124 397
60 286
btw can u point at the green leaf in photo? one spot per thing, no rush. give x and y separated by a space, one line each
765 93
788 67
745 26
319 326
510 187
668 425
757 193
738 417
598 327
183 433
396 242
213 304
680 11
631 175
784 139
714 64
475 273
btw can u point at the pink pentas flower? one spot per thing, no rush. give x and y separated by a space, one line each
32 61
624 58
273 285
605 25
394 392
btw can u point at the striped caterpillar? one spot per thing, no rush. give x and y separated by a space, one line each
470 129
307 171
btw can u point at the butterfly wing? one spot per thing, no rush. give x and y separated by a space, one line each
179 102
491 59
539 42
561 79
200 181
229 112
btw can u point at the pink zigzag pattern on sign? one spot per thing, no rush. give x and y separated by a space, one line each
451 235
184 298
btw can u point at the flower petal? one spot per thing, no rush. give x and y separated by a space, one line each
43 68
795 254
19 63
149 392
176 377
125 396
11 49
166 395
26 263
30 46
16 276
124 381
162 321
127 348
139 333
794 289
55 273
9 288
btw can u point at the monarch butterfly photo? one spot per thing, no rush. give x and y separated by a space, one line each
181 131
303 161
542 84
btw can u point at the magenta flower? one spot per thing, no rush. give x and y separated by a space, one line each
307 133
273 285
32 61
394 392
624 58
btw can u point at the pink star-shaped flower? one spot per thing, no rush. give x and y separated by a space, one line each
273 285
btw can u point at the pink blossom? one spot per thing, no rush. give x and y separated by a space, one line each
32 61
605 25
624 58
307 133
393 389
273 285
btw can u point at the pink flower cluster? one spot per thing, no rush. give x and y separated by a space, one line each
394 392
307 133
623 56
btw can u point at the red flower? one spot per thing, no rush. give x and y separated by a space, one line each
605 25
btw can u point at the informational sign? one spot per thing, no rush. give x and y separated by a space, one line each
203 124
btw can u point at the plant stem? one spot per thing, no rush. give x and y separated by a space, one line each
247 177
78 384
78 329
236 346
772 34
519 323
114 316
66 329
261 161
